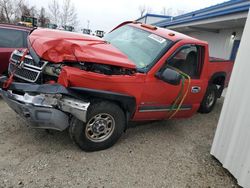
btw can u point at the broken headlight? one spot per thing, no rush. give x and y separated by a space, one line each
53 69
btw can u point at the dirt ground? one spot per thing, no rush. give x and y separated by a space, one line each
160 154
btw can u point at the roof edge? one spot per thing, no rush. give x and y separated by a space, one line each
165 23
220 5
154 15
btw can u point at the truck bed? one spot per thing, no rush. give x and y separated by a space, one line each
223 66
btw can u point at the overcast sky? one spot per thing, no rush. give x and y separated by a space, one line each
105 15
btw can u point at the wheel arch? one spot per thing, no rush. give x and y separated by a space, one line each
125 102
218 78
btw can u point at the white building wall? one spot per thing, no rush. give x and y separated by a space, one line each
220 44
231 144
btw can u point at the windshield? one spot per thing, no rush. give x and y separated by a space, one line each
141 47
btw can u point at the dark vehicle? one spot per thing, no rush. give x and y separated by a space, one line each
51 26
29 21
11 37
86 31
99 33
68 28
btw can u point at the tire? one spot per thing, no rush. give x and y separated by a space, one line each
104 126
209 100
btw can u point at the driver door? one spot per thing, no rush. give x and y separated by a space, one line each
158 97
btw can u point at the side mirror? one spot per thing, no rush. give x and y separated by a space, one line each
170 76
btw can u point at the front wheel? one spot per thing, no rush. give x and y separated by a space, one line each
104 126
209 99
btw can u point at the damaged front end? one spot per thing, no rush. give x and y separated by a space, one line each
36 94
40 92
45 106
32 69
35 70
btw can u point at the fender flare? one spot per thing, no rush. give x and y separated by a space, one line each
127 102
216 75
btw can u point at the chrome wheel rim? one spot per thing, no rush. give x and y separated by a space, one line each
100 127
210 99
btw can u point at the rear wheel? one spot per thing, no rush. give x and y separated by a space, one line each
209 99
104 126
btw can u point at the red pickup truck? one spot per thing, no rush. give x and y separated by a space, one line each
96 86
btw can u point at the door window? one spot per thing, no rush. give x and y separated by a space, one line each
10 38
188 59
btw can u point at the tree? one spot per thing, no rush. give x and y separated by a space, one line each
167 11
25 10
54 13
69 14
12 10
149 10
33 11
42 18
18 10
180 12
171 12
142 9
7 10
2 16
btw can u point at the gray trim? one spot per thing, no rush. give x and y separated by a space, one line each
162 108
39 117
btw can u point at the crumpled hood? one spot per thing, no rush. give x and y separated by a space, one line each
58 46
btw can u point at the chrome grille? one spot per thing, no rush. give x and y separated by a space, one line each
28 60
29 70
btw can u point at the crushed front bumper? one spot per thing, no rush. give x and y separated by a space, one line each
45 106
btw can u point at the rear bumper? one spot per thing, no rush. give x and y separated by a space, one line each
45 106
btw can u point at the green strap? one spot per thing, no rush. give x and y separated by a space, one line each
174 104
184 76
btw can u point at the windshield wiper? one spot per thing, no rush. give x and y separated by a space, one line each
99 42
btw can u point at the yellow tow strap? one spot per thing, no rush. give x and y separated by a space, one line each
176 110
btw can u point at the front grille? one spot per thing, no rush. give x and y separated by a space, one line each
26 60
24 73
29 70
16 57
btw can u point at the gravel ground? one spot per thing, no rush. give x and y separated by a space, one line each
160 154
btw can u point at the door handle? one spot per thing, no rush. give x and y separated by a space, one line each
196 89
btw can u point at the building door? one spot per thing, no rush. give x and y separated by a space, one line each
235 50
